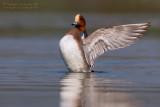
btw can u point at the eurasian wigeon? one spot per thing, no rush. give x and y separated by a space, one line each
79 50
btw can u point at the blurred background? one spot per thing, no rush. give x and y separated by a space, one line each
32 73
39 18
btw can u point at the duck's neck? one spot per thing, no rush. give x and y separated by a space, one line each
81 28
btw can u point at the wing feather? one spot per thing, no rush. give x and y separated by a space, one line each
111 38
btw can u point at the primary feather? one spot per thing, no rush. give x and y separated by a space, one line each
111 38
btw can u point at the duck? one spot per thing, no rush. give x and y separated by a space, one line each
79 50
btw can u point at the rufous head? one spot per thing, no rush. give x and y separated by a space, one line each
80 22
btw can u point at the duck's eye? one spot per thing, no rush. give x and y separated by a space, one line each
80 18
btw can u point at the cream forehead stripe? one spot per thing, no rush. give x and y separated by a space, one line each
77 17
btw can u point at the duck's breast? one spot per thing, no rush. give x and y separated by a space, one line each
72 54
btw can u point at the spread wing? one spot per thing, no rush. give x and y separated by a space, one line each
112 38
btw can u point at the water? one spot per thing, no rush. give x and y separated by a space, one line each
32 74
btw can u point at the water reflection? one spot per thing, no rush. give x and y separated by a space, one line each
86 90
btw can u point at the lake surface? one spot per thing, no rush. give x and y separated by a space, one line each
32 74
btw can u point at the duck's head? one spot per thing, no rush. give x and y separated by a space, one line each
79 22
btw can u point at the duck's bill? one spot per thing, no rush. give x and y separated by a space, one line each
74 23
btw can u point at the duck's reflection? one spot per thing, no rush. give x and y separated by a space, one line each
85 90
